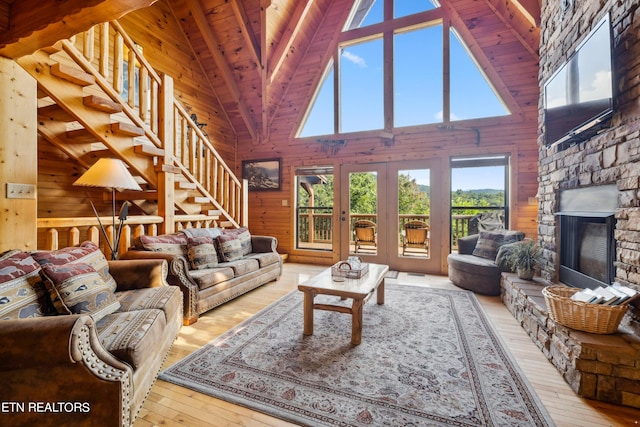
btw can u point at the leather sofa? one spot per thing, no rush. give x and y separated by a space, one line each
95 363
211 265
480 260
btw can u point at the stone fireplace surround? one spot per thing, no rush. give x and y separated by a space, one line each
610 158
600 367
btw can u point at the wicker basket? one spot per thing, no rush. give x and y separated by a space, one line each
344 269
593 318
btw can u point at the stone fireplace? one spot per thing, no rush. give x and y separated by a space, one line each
589 211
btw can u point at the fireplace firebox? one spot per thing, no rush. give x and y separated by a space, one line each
587 240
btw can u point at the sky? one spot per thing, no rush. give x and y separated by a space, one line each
418 80
490 177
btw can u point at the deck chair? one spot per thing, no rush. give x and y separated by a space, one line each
364 233
415 235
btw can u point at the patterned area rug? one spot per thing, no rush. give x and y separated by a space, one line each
428 357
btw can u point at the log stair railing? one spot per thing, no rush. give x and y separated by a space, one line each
98 96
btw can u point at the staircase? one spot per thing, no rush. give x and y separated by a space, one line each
104 100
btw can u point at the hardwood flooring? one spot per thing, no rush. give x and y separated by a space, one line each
172 405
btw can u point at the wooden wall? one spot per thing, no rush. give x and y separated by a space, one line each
17 155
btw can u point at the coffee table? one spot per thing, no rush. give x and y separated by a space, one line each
360 290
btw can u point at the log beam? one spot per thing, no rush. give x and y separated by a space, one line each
36 24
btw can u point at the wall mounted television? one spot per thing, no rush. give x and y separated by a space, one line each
578 98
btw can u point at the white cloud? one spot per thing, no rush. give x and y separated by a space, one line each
453 117
359 61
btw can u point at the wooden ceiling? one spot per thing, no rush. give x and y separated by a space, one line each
251 49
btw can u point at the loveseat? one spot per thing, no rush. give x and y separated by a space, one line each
211 265
481 259
82 338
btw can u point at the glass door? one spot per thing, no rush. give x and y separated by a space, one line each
363 213
387 216
415 216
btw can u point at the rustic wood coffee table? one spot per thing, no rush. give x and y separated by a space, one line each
360 290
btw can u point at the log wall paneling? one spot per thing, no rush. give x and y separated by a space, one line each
18 156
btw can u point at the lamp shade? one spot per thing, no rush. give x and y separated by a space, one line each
108 173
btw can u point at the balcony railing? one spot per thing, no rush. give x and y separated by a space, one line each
315 224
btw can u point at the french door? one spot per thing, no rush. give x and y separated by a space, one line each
391 213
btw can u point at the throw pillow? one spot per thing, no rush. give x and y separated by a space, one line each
490 241
22 292
202 253
229 247
77 288
175 244
88 253
243 235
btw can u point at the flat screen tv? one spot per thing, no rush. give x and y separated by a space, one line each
578 98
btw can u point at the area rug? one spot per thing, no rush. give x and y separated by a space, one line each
427 357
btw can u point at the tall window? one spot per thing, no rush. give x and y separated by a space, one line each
314 207
396 74
479 194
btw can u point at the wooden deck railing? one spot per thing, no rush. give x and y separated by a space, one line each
314 227
121 70
56 233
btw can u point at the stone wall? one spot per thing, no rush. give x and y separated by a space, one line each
612 156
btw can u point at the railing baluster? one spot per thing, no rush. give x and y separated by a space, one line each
104 49
74 236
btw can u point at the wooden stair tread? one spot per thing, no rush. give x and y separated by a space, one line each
126 129
185 185
213 212
167 168
148 150
72 75
198 199
81 136
55 112
102 104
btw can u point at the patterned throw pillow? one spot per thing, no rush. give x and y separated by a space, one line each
175 244
243 235
77 288
202 253
88 253
22 292
489 242
229 247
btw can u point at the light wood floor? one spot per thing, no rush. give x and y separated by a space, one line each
172 405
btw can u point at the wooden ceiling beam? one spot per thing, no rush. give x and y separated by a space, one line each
247 33
221 62
527 33
288 38
533 8
35 24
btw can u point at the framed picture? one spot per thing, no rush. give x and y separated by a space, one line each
262 175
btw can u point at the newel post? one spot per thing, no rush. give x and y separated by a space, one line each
166 178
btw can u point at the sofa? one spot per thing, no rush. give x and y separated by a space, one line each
481 259
211 265
83 338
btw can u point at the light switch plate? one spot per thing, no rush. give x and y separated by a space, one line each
21 191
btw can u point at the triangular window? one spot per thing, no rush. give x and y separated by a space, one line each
472 95
420 78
